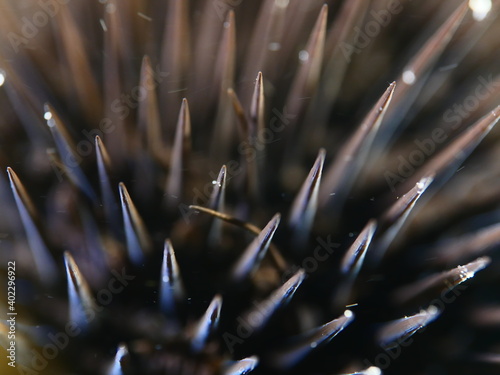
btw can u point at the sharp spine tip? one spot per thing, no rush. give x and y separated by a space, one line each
44 263
171 288
353 259
256 250
278 299
403 328
443 281
79 295
207 324
305 204
138 241
312 339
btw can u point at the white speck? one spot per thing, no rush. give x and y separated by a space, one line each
47 116
314 344
465 274
142 15
373 370
469 270
409 77
348 314
281 3
214 182
351 234
352 305
274 46
424 184
2 77
480 9
303 55
432 310
103 25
